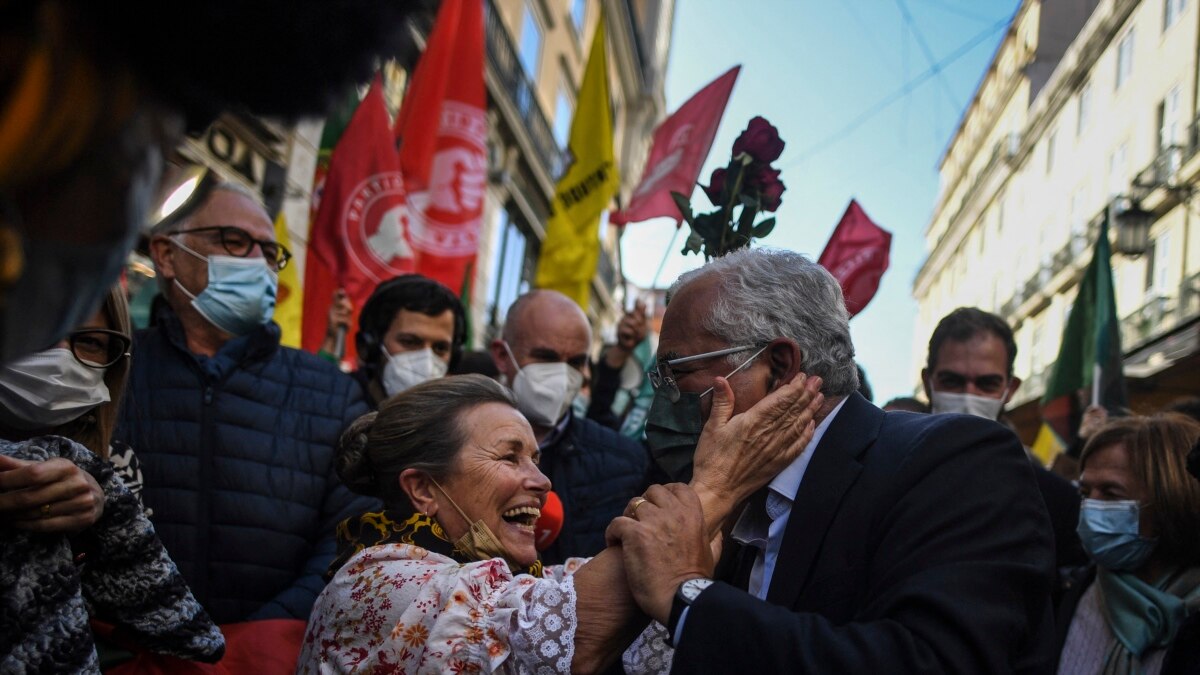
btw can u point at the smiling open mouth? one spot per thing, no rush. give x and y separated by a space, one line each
523 516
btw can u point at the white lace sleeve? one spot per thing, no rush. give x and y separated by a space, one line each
542 634
650 652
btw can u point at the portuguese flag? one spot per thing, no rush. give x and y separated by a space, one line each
1088 369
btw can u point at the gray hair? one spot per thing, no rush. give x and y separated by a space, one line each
771 293
173 225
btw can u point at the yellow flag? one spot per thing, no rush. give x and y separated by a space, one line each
1047 446
572 247
289 299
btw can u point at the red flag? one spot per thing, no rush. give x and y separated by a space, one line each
857 256
679 148
359 236
442 130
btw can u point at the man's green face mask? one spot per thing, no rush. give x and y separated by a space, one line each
674 421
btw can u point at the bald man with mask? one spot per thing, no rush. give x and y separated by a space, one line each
542 355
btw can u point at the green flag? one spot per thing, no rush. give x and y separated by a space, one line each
1088 369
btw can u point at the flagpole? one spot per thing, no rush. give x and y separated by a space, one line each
667 254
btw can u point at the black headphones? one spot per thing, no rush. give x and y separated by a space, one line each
371 329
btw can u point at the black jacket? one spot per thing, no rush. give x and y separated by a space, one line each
917 543
237 452
595 471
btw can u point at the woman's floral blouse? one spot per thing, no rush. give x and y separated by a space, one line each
399 608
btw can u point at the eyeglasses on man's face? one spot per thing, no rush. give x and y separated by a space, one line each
98 347
663 379
238 242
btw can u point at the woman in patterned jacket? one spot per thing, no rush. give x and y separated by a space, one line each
447 578
78 543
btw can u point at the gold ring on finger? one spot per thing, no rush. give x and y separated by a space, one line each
636 503
45 510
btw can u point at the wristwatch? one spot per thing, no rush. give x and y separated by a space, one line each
685 595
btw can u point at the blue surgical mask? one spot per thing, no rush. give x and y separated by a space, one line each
240 295
1108 531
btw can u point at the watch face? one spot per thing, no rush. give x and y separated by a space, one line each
692 588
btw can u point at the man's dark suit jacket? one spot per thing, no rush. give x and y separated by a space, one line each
916 543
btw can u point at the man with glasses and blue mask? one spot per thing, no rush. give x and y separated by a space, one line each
895 543
542 355
236 433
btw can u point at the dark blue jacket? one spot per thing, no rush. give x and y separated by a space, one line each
237 452
595 471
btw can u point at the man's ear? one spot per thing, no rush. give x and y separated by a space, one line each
1014 383
500 357
784 358
163 255
925 384
419 488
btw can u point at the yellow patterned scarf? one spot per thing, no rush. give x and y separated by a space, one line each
374 528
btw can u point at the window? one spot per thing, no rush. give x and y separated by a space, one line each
1125 58
1169 133
1085 108
578 14
1051 141
562 117
1158 265
1079 216
531 42
1117 171
512 266
1171 11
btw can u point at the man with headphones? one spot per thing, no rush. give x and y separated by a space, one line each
411 330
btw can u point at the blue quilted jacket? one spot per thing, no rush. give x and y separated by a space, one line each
237 453
595 471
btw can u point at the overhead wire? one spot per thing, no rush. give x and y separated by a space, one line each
945 6
928 53
896 95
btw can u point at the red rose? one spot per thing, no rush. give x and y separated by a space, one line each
760 176
771 195
766 180
715 185
760 140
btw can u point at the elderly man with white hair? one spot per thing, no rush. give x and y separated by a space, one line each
236 433
895 543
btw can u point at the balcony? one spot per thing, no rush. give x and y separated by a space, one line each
506 67
1160 315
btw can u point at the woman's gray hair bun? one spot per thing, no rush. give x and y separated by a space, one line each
354 465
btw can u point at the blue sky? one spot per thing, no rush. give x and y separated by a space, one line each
812 67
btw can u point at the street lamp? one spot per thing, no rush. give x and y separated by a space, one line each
1132 224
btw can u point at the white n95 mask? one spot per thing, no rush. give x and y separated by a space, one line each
545 391
406 370
967 404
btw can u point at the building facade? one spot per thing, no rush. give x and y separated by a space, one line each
535 54
1087 109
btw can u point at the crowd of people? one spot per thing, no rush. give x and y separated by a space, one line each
196 497
167 488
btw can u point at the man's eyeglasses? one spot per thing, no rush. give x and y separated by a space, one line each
662 379
239 243
98 347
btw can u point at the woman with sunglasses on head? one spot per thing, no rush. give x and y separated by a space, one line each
70 518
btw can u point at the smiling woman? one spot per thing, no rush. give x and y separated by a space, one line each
446 578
